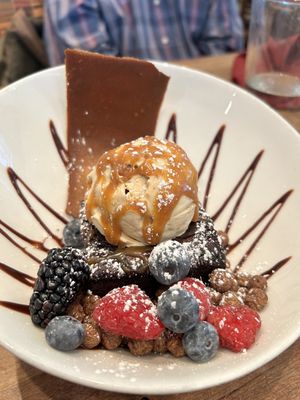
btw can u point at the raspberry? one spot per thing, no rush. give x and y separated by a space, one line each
128 311
236 326
200 291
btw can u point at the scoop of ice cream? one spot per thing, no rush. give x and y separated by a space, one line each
142 192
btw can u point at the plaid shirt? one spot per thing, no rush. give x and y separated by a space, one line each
151 29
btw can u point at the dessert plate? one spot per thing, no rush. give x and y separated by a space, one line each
248 161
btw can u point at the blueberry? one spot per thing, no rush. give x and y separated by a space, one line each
201 342
178 310
169 262
71 234
65 333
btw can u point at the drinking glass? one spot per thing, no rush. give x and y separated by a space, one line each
273 52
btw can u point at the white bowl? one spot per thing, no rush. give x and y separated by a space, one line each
202 104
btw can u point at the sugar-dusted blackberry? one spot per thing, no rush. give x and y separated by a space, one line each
60 278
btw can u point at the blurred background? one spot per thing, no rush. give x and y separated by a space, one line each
22 48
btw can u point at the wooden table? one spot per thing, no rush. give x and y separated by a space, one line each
277 380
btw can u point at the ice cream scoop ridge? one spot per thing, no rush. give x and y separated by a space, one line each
142 192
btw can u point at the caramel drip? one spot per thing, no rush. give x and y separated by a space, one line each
149 158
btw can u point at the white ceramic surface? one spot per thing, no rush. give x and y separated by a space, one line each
202 104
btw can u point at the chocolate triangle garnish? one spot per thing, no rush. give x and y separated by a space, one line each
110 101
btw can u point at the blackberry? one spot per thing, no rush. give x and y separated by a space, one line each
61 276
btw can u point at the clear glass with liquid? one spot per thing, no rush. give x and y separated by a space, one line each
273 53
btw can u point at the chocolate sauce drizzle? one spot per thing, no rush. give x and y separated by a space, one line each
18 275
243 183
16 181
171 134
34 243
62 151
267 274
277 207
216 143
21 308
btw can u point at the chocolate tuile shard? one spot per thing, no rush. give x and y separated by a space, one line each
110 101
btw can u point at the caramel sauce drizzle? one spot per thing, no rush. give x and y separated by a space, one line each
150 158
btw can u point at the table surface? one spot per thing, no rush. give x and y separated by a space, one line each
276 380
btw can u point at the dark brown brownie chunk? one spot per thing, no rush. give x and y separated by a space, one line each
112 267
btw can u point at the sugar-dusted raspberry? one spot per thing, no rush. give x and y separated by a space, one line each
140 347
221 280
128 311
256 299
258 281
92 336
236 326
200 291
231 298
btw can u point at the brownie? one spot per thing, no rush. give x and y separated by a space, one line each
114 267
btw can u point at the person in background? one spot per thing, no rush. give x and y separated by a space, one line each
148 29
